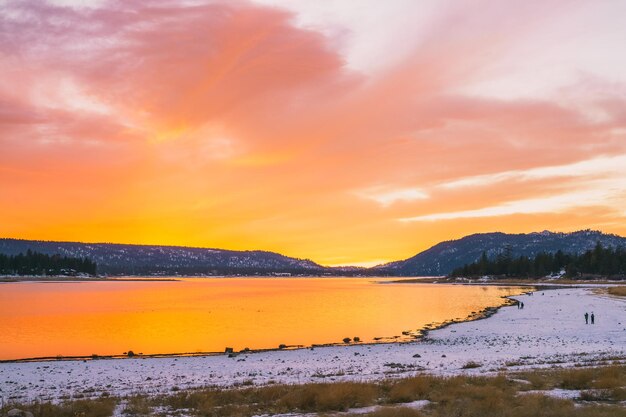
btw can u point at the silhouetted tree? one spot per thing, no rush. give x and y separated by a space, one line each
35 263
597 261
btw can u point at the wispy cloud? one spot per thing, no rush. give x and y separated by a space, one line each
236 124
609 165
602 185
555 204
386 196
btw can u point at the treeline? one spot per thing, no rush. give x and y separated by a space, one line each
607 262
202 271
35 263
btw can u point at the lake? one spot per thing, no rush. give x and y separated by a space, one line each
40 319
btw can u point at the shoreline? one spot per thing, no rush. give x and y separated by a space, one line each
391 279
414 336
549 332
411 337
63 279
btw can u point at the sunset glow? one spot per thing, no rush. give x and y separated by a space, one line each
344 132
164 317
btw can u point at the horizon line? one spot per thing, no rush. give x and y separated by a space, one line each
359 264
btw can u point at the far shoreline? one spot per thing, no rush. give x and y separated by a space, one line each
391 279
66 278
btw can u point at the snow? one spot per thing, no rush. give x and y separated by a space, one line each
563 394
416 405
549 331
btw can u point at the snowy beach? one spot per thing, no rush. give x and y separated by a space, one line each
549 331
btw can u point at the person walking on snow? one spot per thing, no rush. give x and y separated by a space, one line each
593 318
586 318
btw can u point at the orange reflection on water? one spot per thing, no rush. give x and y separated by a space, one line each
208 314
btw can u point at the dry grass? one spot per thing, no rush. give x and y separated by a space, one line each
273 399
619 291
412 389
576 378
472 365
396 412
601 390
137 406
599 378
330 397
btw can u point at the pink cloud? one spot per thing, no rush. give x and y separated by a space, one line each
229 111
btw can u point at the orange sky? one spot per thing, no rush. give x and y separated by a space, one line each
351 132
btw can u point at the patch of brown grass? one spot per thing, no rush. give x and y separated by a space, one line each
476 395
329 397
537 380
396 411
576 378
604 377
486 401
619 291
320 397
412 389
472 365
596 395
138 406
540 406
618 394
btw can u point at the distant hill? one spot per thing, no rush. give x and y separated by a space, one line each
442 258
119 259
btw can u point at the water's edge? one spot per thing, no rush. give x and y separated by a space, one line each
407 337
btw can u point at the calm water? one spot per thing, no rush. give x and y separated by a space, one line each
206 314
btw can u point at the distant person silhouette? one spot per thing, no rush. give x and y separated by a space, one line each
522 306
593 318
586 318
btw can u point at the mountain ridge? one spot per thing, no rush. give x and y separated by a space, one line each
132 259
443 257
440 259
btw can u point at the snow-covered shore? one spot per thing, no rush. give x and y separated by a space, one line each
549 331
